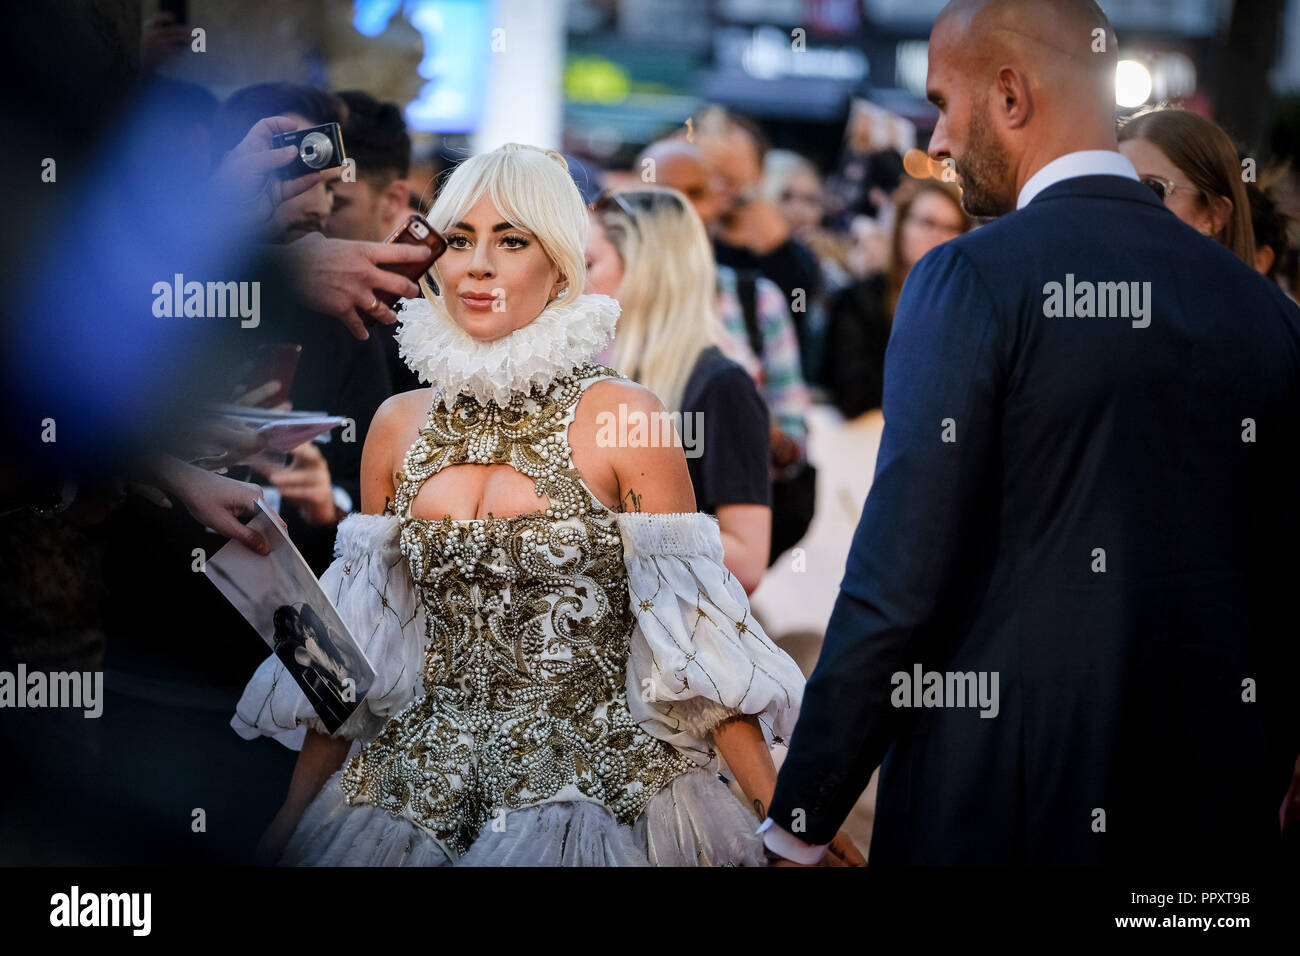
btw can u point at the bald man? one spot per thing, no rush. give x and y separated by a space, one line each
1062 624
721 172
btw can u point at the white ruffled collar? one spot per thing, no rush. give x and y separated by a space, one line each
564 336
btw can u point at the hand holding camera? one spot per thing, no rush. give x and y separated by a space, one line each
275 145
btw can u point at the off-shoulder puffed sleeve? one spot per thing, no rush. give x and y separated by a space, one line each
371 587
697 656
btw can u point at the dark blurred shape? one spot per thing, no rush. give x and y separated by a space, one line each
588 177
376 136
1275 253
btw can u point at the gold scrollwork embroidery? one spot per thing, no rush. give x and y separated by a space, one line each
528 626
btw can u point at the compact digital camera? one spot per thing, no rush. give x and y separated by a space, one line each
319 147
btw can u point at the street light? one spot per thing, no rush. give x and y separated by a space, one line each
1132 84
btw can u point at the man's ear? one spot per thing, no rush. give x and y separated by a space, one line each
1014 103
394 200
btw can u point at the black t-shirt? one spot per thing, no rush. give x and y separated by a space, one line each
857 335
727 435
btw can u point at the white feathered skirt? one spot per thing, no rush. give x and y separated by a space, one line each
693 821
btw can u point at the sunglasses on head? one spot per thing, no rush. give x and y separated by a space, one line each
608 199
642 199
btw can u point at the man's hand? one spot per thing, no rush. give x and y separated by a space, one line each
843 852
306 483
340 276
219 443
246 177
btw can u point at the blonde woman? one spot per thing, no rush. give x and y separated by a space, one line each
559 652
649 250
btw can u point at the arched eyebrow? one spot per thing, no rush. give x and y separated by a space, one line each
499 227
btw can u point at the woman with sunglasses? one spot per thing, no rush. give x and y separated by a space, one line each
1191 164
648 249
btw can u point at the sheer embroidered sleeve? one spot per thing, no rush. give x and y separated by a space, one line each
697 656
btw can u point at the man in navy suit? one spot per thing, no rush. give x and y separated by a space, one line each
1062 624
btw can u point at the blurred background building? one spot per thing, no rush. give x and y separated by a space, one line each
600 78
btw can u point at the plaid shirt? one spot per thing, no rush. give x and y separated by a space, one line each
778 373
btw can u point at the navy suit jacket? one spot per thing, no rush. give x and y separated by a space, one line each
1099 510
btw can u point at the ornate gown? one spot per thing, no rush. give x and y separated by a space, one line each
546 684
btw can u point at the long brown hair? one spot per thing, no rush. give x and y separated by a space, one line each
1205 154
898 269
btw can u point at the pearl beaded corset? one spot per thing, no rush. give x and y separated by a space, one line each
528 627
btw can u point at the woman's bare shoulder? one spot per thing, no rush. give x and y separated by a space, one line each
606 403
624 435
397 423
608 394
404 410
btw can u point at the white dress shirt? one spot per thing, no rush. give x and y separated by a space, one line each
786 844
1084 162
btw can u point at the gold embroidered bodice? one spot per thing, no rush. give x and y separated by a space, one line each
528 629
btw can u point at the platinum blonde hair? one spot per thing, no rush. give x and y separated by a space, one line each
532 189
669 288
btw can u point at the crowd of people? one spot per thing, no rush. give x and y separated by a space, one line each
755 298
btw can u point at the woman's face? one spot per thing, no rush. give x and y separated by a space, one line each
931 221
496 277
604 265
801 202
1184 202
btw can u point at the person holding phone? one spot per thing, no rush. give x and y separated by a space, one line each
336 373
372 206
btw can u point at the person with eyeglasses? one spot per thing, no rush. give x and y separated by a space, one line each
861 316
1192 166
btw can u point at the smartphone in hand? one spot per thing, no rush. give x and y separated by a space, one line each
276 363
416 231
